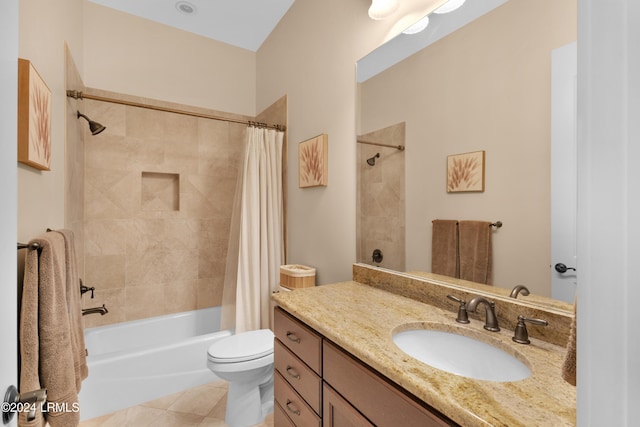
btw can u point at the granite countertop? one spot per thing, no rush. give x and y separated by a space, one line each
361 319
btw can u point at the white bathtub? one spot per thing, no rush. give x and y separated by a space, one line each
141 360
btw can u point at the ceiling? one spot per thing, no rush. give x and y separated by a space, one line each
241 23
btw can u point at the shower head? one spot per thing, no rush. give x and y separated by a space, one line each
95 127
372 160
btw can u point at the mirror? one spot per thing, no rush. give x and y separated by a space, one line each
483 84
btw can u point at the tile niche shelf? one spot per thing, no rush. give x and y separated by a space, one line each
160 192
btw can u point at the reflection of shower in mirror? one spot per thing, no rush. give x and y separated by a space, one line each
372 161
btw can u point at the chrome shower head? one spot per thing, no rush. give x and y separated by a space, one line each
372 160
95 127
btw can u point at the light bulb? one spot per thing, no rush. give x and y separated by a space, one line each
381 9
418 26
449 6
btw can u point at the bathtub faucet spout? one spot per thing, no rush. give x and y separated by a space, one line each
94 310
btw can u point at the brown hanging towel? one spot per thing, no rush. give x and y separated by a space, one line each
444 247
475 251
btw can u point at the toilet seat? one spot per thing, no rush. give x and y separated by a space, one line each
242 347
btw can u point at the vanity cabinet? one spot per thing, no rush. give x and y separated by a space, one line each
319 384
298 372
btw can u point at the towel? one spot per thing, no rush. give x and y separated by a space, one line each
475 251
46 354
444 247
569 364
74 304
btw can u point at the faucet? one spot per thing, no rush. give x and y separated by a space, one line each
95 310
491 321
519 289
84 289
462 309
520 334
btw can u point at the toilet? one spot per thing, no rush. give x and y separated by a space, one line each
245 360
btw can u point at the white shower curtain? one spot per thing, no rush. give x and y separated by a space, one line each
260 250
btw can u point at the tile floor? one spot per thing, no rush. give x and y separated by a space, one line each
201 406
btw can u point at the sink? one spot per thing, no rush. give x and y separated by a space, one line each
461 355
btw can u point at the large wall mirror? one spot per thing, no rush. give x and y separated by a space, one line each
482 83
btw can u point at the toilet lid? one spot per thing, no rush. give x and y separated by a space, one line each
242 347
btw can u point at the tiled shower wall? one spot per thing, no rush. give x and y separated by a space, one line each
380 208
159 190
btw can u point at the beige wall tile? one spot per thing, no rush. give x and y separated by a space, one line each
147 254
105 272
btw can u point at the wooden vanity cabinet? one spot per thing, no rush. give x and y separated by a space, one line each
319 384
380 401
298 372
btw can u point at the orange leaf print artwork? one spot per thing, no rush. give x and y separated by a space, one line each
465 172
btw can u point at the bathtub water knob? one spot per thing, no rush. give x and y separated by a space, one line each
377 256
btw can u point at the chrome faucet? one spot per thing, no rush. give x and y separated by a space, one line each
519 289
491 321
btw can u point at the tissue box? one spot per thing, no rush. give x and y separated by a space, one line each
297 276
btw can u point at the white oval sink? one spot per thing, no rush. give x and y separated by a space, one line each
461 355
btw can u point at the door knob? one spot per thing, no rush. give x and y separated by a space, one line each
561 268
24 402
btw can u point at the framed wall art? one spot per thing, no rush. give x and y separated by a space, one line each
465 172
34 118
313 167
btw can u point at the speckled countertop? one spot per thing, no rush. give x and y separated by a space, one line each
361 319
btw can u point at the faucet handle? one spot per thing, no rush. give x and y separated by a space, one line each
462 309
520 334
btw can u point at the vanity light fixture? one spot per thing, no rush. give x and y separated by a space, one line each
418 26
381 9
449 6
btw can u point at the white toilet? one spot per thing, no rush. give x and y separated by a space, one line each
246 361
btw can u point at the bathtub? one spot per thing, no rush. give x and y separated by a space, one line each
141 360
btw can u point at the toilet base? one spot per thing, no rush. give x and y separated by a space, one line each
247 403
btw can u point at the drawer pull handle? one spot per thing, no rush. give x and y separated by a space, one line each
289 405
292 372
293 337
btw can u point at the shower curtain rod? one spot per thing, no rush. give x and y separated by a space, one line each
80 95
397 147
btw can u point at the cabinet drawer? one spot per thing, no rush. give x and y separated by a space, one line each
281 419
293 405
299 375
377 399
300 339
337 412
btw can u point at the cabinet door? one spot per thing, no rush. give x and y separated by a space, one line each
337 412
374 396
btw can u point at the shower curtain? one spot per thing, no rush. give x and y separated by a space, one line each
256 248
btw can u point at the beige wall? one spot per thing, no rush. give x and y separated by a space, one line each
485 87
127 54
311 57
44 28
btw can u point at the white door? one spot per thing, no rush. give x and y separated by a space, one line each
8 193
564 173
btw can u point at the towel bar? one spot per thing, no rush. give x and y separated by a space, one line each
30 246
